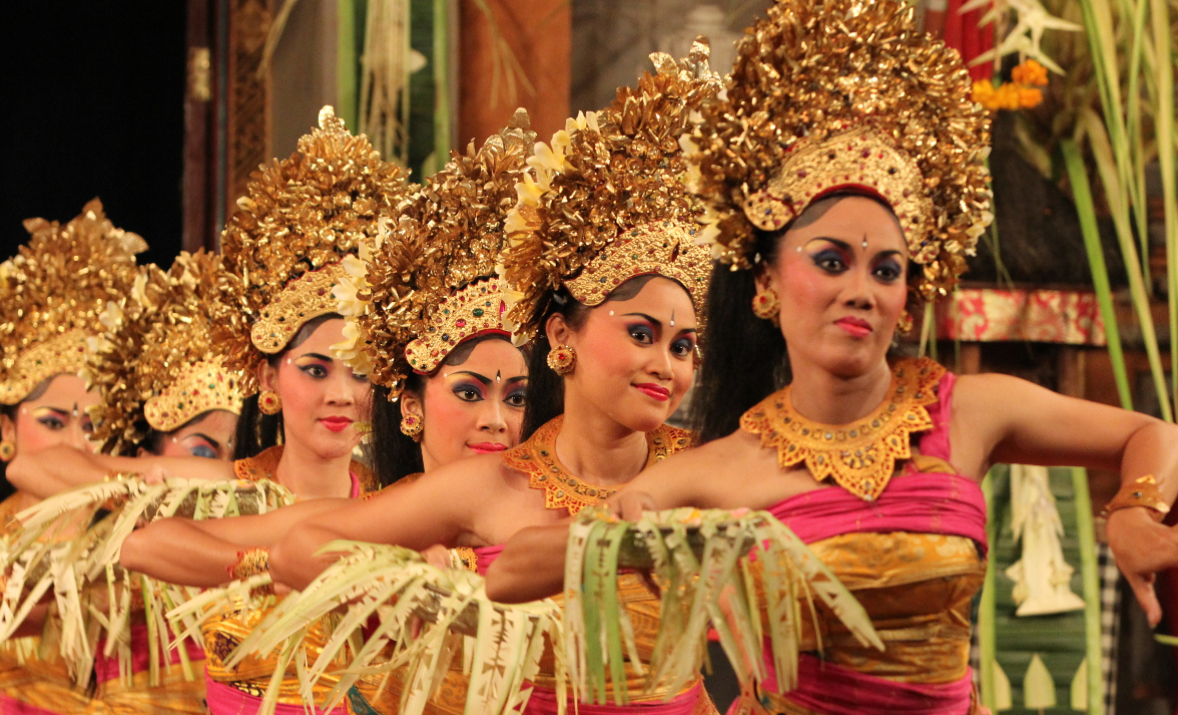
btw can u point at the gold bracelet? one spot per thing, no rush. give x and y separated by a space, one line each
463 557
250 562
1144 493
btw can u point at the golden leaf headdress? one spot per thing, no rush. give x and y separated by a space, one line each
831 94
301 217
605 201
156 366
53 292
428 283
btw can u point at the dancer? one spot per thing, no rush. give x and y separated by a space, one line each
843 194
603 271
51 296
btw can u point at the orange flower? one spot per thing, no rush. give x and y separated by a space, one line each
1029 97
1030 73
983 93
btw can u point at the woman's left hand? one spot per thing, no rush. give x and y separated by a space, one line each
1142 548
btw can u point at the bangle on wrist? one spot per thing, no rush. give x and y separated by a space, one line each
1143 492
463 557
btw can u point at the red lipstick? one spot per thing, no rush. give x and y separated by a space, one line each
336 424
658 392
857 327
487 447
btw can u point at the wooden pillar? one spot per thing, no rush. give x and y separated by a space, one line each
539 34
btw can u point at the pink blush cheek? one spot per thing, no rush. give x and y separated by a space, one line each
32 436
448 420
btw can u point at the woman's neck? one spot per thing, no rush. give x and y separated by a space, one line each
826 398
596 448
310 476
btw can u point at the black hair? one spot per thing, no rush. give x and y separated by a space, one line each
256 430
396 455
744 357
545 387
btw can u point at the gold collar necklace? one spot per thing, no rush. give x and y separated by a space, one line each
537 458
861 456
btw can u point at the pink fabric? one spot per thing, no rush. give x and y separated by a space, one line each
485 556
11 706
918 502
835 690
543 702
107 669
357 488
224 699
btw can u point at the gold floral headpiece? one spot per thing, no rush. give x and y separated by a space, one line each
605 201
156 365
426 284
830 95
52 293
301 217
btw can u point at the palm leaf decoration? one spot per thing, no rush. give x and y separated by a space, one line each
425 618
38 560
702 563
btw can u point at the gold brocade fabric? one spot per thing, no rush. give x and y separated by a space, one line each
860 457
173 696
562 490
917 588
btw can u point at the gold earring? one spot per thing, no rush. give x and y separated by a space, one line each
412 426
767 305
270 402
562 359
7 451
904 325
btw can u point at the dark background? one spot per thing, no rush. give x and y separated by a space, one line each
92 104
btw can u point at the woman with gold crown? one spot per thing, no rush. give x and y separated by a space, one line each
425 324
276 322
51 296
162 394
845 169
602 269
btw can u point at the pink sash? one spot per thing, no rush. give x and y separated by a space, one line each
107 669
543 702
834 690
11 706
484 556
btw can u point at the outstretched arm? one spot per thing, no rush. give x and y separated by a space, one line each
997 418
435 509
59 468
203 553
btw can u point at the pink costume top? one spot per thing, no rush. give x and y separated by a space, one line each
914 558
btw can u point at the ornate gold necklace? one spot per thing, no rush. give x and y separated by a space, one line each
861 457
537 458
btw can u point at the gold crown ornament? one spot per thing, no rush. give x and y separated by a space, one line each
157 366
846 95
427 283
53 292
301 217
605 200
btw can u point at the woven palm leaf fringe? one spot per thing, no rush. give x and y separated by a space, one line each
426 619
37 560
700 561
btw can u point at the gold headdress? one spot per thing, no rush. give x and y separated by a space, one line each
302 216
831 94
605 200
428 284
156 365
52 293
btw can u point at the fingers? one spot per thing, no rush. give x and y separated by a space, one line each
437 556
629 505
1143 589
